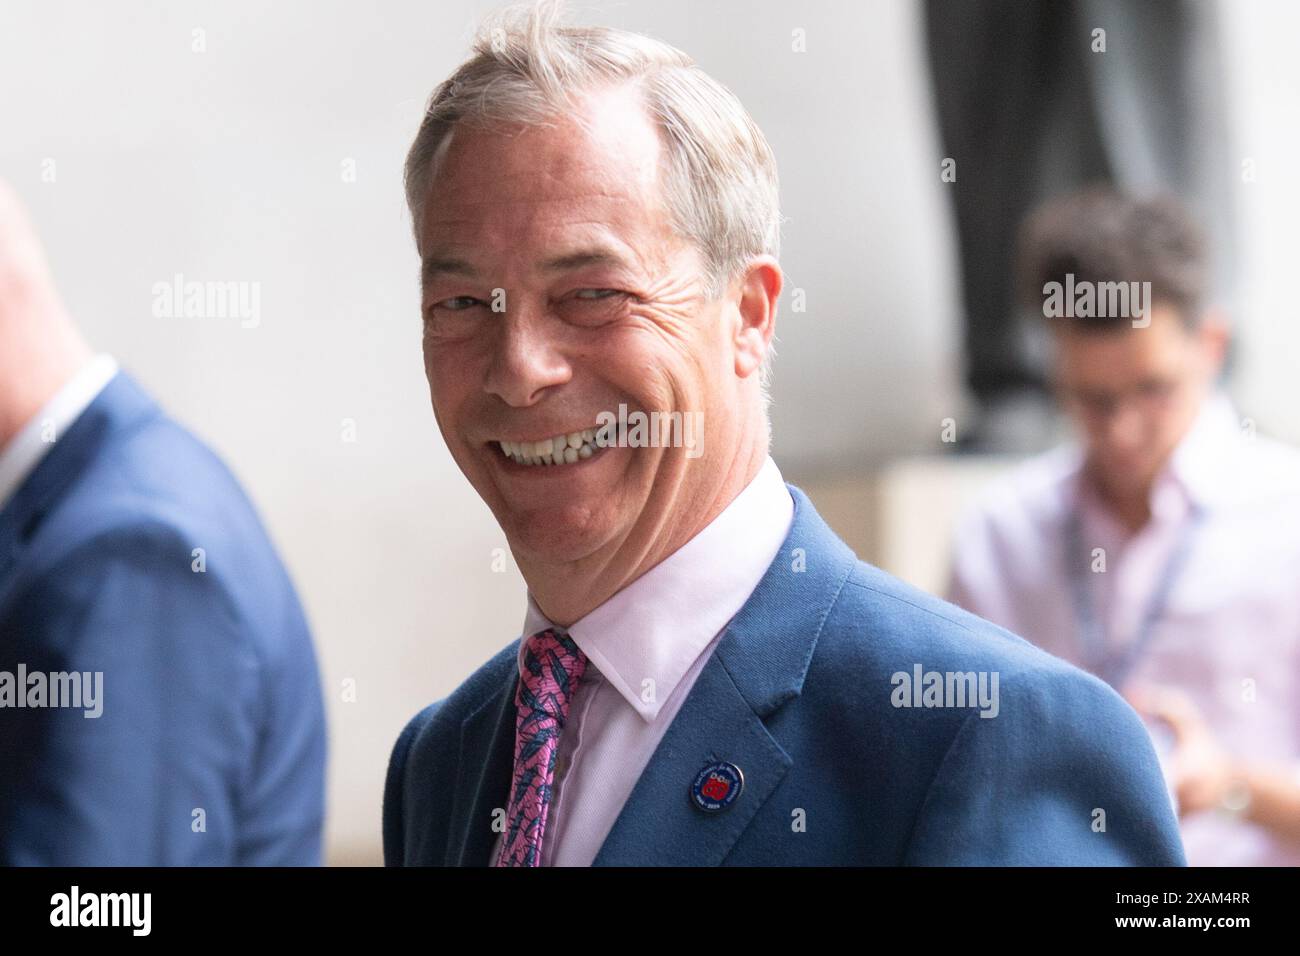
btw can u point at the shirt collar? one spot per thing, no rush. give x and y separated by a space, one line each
645 638
1210 447
20 456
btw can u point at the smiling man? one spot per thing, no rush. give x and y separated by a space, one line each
597 303
706 674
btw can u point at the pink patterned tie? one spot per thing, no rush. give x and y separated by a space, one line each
553 666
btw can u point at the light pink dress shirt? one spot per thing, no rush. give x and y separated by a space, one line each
1229 635
645 646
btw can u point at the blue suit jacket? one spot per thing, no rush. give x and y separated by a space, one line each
211 744
800 694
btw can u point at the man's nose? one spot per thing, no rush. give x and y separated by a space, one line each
525 360
1124 431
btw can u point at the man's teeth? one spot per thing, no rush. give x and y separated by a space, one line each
560 450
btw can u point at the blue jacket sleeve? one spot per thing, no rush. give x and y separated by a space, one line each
206 743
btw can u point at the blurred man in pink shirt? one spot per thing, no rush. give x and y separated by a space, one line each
1162 550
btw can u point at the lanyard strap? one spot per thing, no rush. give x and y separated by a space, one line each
1114 667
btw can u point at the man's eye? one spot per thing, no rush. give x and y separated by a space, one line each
593 294
457 303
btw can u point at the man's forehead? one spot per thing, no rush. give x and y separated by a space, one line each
551 197
1116 359
542 237
1162 337
605 151
546 234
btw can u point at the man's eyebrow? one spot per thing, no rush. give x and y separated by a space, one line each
582 258
434 266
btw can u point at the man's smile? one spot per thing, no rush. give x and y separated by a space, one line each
564 449
547 451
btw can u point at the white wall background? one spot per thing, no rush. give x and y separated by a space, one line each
1264 85
227 165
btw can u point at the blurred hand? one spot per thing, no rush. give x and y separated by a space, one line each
1200 770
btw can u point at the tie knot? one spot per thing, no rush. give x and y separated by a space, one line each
553 665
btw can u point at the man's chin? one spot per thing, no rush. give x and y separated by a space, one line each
554 536
1127 479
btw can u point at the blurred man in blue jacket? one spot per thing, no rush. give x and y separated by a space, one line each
159 697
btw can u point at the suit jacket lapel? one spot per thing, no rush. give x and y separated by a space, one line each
482 793
117 405
715 723
758 666
659 825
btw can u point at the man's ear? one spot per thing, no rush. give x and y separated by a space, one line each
1213 335
760 288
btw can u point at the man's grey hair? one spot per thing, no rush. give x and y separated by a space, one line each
720 180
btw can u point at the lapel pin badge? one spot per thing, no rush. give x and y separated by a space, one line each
717 786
